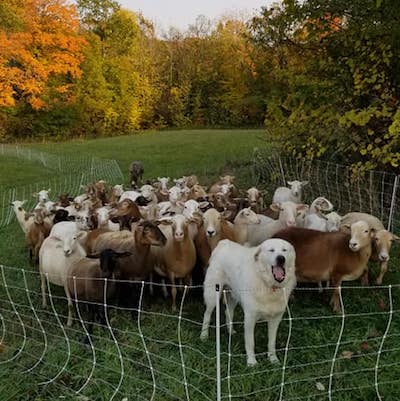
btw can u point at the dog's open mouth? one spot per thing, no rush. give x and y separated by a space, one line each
279 273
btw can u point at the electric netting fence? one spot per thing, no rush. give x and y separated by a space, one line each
147 352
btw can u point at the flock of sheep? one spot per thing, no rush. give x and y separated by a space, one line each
167 228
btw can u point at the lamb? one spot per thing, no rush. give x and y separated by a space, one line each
381 245
292 194
258 233
217 228
332 257
38 231
136 172
86 280
55 257
177 258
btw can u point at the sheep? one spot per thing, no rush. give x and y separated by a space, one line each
381 244
21 215
136 172
62 215
125 214
101 191
333 221
332 257
317 206
140 264
64 228
258 233
86 280
191 181
55 256
177 258
101 217
64 200
42 196
217 228
38 231
292 194
241 223
116 193
255 199
197 192
227 181
162 188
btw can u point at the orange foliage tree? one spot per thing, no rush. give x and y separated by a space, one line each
40 59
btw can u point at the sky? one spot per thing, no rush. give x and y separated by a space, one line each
181 13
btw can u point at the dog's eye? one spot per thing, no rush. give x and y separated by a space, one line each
284 250
366 231
271 250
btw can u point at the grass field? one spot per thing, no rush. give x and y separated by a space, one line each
314 329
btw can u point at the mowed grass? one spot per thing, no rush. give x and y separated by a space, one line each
314 329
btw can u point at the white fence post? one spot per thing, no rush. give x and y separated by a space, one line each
393 203
218 339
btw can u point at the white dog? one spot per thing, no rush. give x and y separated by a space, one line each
260 278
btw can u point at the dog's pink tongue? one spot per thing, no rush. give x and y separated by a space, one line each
279 273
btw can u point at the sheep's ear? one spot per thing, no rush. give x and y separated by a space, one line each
164 222
290 182
348 226
396 238
303 183
276 207
257 254
81 235
302 207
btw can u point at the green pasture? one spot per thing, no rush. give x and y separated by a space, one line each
314 329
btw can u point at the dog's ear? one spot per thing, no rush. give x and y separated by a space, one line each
257 254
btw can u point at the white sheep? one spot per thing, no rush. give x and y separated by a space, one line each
258 233
24 221
56 255
292 194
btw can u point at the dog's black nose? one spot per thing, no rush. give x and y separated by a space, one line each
280 260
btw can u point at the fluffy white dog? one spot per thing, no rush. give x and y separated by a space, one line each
260 278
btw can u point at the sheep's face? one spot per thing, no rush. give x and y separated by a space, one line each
103 216
179 227
71 243
180 182
296 187
43 195
227 179
18 205
149 234
212 222
147 192
175 194
197 191
118 190
247 216
361 235
276 261
253 195
190 207
163 181
83 223
322 204
383 241
288 211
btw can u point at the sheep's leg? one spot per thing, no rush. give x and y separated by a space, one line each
383 270
164 288
70 305
335 299
365 279
249 325
43 286
231 303
173 290
273 325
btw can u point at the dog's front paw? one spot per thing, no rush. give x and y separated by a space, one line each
273 359
251 362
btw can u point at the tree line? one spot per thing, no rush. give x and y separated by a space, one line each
322 75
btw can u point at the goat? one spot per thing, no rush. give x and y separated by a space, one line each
332 257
